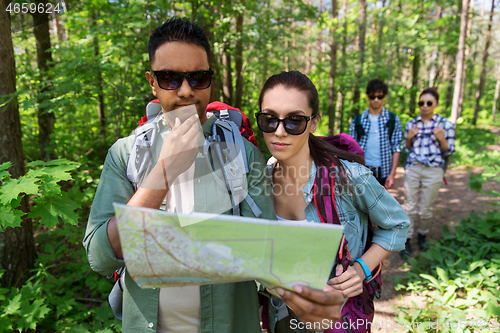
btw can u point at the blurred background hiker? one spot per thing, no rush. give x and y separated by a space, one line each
429 140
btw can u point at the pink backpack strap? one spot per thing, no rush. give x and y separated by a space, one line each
327 188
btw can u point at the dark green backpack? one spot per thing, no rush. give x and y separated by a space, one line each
360 131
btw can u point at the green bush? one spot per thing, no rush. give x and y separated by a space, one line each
63 295
459 275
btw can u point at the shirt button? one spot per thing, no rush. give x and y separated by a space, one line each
151 325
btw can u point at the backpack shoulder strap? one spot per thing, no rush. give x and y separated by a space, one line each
141 153
229 147
326 207
360 131
391 124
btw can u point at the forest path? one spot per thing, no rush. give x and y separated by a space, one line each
455 202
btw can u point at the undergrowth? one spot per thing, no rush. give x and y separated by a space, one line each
459 276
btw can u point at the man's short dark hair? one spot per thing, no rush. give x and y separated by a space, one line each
177 29
376 85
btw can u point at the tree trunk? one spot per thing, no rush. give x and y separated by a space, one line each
435 54
471 68
466 57
46 118
483 68
238 67
460 61
497 91
380 39
17 246
333 70
227 76
214 61
414 81
195 4
294 46
343 51
307 70
320 48
415 70
100 94
361 56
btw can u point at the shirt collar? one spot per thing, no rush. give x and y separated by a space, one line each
308 187
434 118
384 113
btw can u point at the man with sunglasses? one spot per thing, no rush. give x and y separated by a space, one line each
178 181
379 133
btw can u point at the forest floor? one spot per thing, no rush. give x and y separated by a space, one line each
455 201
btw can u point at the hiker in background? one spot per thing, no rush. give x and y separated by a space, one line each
288 117
429 140
379 133
179 57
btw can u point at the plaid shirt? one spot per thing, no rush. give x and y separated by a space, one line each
426 148
387 146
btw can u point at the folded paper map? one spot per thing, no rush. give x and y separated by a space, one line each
163 249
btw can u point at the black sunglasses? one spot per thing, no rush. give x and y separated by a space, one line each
380 97
294 125
171 80
422 103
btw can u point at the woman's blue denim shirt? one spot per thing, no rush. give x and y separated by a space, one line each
362 196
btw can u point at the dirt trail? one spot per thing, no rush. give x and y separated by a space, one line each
455 201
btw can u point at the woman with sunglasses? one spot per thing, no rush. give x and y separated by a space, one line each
288 117
429 140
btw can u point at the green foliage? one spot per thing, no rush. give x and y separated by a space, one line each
63 295
470 147
476 181
459 275
41 183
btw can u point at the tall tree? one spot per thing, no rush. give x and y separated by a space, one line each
46 118
343 52
435 54
460 61
227 75
471 68
380 39
415 68
100 93
333 70
480 87
466 57
361 55
308 42
17 246
238 61
497 91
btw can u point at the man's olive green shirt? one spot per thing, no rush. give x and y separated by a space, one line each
225 308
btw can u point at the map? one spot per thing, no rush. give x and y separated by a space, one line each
163 249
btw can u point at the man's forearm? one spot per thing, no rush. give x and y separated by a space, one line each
150 194
395 162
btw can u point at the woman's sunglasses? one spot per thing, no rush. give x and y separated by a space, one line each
422 103
294 125
171 80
